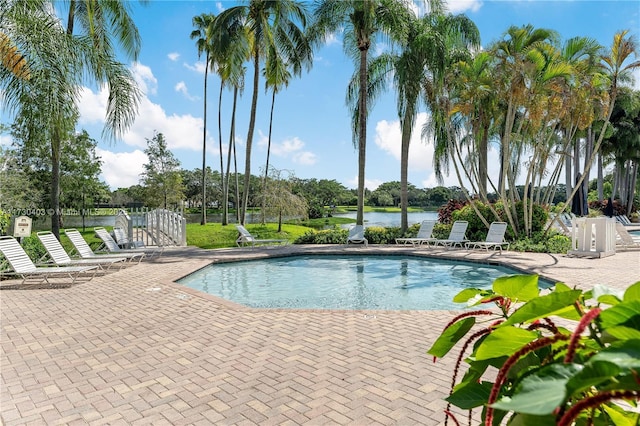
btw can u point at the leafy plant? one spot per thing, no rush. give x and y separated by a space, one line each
547 372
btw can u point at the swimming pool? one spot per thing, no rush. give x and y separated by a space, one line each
344 282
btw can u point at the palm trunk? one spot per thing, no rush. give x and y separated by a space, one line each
362 134
225 187
252 124
266 167
600 178
404 165
203 220
55 183
220 135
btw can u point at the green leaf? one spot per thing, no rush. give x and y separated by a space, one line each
543 306
475 371
504 341
467 294
471 395
529 420
592 374
541 392
623 333
625 314
517 287
451 336
632 293
620 417
625 354
560 286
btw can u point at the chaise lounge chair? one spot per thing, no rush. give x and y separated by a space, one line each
122 239
495 238
456 236
625 240
246 239
356 235
57 254
85 252
424 234
23 267
113 248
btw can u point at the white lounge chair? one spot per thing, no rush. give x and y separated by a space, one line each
623 219
123 240
23 267
57 254
457 236
356 235
625 240
85 251
423 236
246 239
495 238
113 248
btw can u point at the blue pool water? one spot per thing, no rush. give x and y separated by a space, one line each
344 282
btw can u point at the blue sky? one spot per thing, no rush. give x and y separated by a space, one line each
311 129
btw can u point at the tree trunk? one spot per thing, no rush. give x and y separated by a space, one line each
404 166
362 134
203 220
225 187
55 183
633 180
266 167
252 124
600 182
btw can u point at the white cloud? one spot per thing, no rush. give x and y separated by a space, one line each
370 184
5 140
181 87
198 67
121 169
292 149
173 56
636 77
388 138
461 6
142 74
181 131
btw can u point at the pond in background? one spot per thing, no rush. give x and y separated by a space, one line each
387 220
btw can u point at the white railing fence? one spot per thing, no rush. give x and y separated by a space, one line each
158 227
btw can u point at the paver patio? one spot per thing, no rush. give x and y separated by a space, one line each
135 348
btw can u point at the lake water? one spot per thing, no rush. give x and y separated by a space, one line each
370 219
391 219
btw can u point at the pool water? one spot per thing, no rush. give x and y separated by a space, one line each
344 282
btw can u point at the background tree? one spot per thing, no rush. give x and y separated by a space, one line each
361 21
270 24
279 199
161 178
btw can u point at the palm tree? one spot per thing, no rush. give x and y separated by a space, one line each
230 44
60 62
202 35
270 23
277 75
362 21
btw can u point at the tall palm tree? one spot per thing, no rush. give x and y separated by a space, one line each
202 35
362 22
277 75
277 23
231 48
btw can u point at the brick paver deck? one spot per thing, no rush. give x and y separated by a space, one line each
135 348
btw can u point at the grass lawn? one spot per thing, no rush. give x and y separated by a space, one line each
214 235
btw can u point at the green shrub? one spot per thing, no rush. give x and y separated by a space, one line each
565 357
33 247
4 221
558 244
328 236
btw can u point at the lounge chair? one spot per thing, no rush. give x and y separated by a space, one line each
495 238
356 235
623 219
113 248
57 254
23 267
625 240
423 236
84 250
121 237
246 239
456 236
